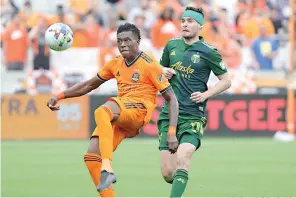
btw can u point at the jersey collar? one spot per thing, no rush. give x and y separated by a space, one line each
201 39
133 61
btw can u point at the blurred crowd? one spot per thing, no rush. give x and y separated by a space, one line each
249 34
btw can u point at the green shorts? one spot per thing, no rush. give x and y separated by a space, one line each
189 129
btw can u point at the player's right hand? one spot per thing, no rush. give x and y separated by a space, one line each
168 72
52 103
172 143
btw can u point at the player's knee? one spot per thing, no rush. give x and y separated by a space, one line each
184 155
102 111
93 146
168 175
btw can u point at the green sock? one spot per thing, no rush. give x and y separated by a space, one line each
179 183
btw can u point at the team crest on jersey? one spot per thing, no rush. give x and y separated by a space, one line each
195 58
136 76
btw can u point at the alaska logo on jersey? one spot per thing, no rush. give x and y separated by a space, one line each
136 76
178 66
195 58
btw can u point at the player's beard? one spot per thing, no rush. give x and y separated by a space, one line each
191 37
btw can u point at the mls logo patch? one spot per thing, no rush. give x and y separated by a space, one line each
195 58
136 76
222 65
160 78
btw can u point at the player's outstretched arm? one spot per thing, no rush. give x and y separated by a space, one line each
77 90
173 105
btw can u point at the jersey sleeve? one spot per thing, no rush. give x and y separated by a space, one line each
157 78
165 58
216 63
106 72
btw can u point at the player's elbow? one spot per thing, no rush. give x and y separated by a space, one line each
228 83
170 96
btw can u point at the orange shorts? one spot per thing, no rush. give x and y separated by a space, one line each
130 121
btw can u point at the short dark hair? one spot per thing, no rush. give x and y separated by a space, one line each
129 27
199 10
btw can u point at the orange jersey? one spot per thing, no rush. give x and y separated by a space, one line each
139 81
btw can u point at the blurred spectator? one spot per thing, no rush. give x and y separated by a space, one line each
282 7
228 47
16 43
145 10
40 49
264 49
241 21
251 30
79 8
166 26
94 13
145 44
93 31
86 33
8 10
226 29
60 16
174 4
30 18
109 51
111 29
40 82
275 18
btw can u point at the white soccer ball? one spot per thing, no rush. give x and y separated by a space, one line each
59 37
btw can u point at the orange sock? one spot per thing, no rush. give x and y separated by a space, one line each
103 116
94 164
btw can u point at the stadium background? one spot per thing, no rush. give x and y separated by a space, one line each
42 151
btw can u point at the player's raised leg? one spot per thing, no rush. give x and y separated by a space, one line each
104 115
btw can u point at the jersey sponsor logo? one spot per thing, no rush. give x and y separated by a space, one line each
173 53
178 66
195 58
136 76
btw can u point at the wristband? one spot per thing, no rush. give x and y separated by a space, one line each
61 96
172 130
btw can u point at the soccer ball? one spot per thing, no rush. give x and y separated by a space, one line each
59 37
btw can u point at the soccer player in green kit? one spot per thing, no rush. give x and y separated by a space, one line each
188 62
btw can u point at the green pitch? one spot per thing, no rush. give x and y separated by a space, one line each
222 167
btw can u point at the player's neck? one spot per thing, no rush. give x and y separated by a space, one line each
191 40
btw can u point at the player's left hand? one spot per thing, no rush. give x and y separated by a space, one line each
198 97
172 143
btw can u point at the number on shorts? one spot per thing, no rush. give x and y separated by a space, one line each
197 127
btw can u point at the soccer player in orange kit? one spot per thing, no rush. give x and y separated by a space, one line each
139 78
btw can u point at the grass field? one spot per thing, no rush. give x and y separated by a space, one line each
222 167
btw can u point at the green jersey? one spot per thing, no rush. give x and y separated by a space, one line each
193 65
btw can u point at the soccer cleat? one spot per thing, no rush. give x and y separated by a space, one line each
107 179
